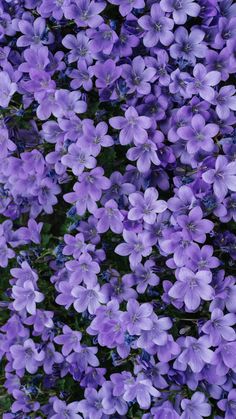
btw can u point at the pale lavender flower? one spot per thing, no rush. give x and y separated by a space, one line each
70 340
136 246
26 356
146 206
137 317
62 409
89 298
196 408
7 89
26 296
222 177
158 27
192 287
109 217
133 127
180 9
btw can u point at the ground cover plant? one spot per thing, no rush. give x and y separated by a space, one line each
117 209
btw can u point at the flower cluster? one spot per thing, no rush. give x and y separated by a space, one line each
117 209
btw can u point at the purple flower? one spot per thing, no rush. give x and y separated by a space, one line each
91 406
34 34
196 408
223 177
137 77
79 47
133 127
92 183
165 409
78 159
194 226
203 82
26 356
26 296
199 135
70 340
85 269
136 246
87 298
137 317
202 259
126 6
188 46
69 411
45 192
219 327
225 100
145 154
195 354
54 7
107 73
180 9
109 217
5 253
82 76
7 89
51 357
85 13
191 287
96 137
228 405
112 403
146 206
143 276
158 27
141 390
68 103
102 39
